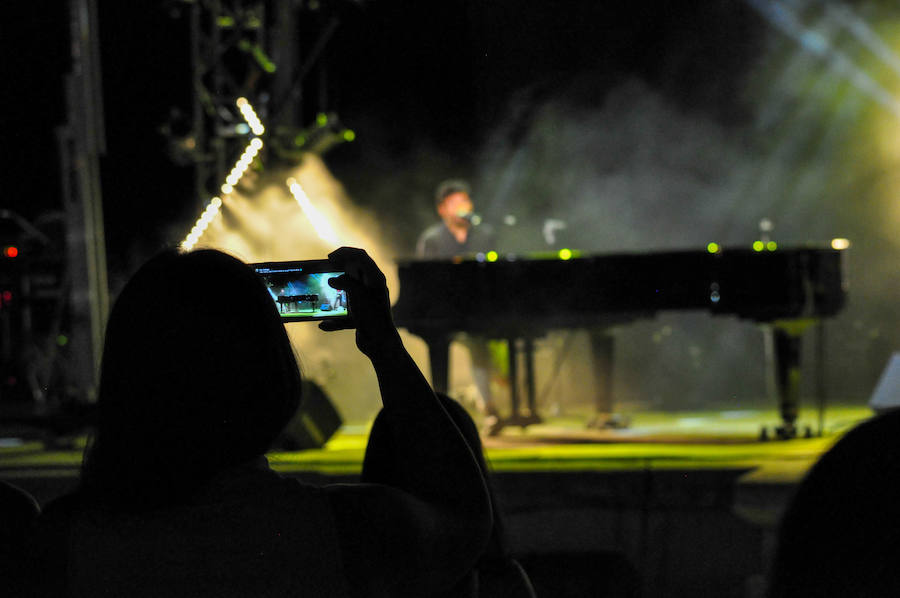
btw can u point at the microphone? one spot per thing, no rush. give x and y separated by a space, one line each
470 217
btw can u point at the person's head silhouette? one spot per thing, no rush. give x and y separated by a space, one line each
198 376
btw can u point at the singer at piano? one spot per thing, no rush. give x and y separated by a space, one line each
460 233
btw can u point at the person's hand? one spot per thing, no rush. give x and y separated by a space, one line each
370 305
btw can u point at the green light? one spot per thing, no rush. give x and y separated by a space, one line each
713 248
758 245
349 135
321 119
62 340
771 245
565 254
491 256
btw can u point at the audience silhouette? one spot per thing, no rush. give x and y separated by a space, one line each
18 510
176 496
840 535
496 574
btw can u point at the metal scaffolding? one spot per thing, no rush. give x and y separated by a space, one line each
251 49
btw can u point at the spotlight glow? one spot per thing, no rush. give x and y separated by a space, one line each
319 222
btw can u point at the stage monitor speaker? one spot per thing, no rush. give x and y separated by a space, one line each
314 423
886 395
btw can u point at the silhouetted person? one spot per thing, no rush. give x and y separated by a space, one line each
177 498
496 574
840 535
457 235
18 510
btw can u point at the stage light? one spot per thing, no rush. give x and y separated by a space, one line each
771 245
202 224
233 178
713 248
840 244
565 254
758 245
250 116
492 256
319 222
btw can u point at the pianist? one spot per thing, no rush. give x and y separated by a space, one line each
460 233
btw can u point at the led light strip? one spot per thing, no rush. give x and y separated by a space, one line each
200 227
241 166
250 116
233 177
319 222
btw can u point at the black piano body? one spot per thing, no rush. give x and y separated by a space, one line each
523 298
291 303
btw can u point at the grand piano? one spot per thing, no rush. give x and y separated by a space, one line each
520 299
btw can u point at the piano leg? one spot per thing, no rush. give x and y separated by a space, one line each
516 417
528 349
786 338
787 380
513 380
439 357
602 347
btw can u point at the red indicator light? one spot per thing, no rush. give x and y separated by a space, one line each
7 296
11 251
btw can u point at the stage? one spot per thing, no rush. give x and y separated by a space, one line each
692 499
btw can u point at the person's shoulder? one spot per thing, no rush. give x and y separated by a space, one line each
432 231
431 236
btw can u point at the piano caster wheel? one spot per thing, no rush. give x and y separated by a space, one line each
786 432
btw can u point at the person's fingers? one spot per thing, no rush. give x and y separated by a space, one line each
358 265
338 282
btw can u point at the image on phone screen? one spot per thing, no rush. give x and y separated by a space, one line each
301 291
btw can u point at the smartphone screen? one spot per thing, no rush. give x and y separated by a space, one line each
301 291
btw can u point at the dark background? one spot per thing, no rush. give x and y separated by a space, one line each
404 75
644 125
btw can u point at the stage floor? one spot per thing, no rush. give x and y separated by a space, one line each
655 440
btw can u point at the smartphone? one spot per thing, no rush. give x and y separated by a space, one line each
301 291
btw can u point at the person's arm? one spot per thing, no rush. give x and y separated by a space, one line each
425 527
